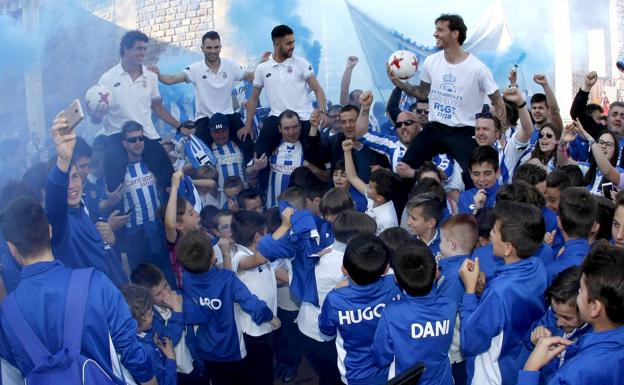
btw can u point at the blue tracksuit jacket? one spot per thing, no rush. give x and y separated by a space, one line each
42 293
573 254
209 303
596 358
492 328
353 312
417 329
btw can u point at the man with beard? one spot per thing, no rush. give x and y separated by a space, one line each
213 79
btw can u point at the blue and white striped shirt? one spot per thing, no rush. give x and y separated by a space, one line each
286 158
230 161
140 194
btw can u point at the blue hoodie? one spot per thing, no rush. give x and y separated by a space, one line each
75 240
417 329
41 295
209 300
353 312
492 328
164 368
573 254
465 204
596 358
549 321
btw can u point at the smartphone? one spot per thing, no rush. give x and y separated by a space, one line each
74 115
606 190
129 211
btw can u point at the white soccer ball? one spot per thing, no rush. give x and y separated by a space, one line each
403 64
98 95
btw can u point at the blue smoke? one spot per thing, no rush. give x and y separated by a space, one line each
253 21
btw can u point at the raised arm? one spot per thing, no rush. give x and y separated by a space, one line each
499 105
168 79
354 179
526 124
392 108
607 169
551 100
345 83
361 125
579 104
568 135
171 231
419 92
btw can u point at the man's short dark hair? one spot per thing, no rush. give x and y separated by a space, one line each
81 149
530 173
147 275
130 126
429 166
575 174
484 154
129 38
577 212
138 298
603 270
365 258
350 107
590 108
24 223
273 218
245 225
539 98
247 194
521 191
414 268
485 221
522 225
281 31
194 250
288 114
430 204
558 179
212 35
455 23
295 197
565 286
386 183
350 223
335 201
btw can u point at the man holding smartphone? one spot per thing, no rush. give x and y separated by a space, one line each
135 97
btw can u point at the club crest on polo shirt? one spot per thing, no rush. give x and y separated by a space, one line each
289 69
267 75
224 75
116 84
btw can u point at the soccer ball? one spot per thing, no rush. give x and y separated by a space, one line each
98 95
403 64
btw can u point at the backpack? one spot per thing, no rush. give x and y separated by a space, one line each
67 366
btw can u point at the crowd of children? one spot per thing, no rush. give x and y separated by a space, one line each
503 264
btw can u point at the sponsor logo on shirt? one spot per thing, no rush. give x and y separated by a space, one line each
284 168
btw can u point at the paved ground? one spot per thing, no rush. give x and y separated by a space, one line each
305 375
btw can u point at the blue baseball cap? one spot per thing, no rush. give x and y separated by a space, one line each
218 122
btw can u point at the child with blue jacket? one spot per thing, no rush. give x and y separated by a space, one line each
209 297
562 319
353 311
418 327
492 328
458 239
484 172
159 349
578 211
596 357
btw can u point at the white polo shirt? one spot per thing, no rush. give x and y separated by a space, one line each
384 215
285 85
262 283
132 100
213 90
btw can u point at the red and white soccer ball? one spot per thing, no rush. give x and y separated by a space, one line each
403 64
98 95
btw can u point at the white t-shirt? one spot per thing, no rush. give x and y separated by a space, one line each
384 215
262 283
132 100
458 91
213 91
328 275
285 85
